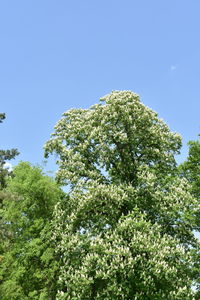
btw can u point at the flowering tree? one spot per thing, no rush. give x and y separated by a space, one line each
126 231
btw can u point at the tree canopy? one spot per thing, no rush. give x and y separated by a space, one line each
28 264
125 226
5 173
126 231
111 140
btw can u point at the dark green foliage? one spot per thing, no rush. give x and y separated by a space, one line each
2 117
191 170
4 156
191 167
5 173
28 264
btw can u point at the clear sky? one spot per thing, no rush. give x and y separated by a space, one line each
55 55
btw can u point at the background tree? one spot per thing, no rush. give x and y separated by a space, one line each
190 169
28 266
4 156
127 229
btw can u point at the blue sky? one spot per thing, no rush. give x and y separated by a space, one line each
55 55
